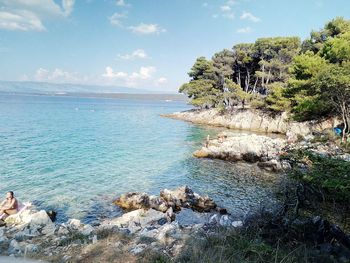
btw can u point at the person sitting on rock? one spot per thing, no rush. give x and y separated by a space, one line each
9 206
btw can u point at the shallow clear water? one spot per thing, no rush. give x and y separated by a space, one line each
75 155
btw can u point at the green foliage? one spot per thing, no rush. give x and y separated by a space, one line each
329 175
202 92
306 66
202 69
337 49
332 29
275 100
279 74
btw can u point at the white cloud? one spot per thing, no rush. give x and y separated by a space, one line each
56 76
244 30
111 74
147 29
122 3
205 4
68 6
141 78
225 8
226 12
144 77
26 15
231 2
116 19
21 21
143 74
249 16
137 54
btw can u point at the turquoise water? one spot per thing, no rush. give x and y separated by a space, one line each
75 155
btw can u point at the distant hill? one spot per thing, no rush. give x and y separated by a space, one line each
87 91
52 88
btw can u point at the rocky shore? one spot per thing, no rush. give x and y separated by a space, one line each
251 148
253 120
266 151
159 224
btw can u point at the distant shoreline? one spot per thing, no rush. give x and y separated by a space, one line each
145 96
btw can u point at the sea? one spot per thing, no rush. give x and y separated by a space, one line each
75 155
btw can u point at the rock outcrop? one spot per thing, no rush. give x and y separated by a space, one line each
151 218
245 147
253 120
183 197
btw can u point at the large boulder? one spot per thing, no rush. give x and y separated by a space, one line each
131 201
185 197
29 217
140 217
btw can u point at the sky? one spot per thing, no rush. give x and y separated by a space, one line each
148 44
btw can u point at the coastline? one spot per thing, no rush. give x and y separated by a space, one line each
154 227
252 120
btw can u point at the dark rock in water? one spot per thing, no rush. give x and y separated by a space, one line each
52 214
222 211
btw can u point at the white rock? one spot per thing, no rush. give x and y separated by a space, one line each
49 229
87 230
75 223
138 249
62 231
214 219
237 224
40 218
225 221
140 217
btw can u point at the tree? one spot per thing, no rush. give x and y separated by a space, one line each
202 93
305 100
244 67
276 100
332 29
223 66
337 49
202 69
275 55
234 94
333 83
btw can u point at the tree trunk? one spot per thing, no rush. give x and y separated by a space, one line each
247 81
345 120
256 82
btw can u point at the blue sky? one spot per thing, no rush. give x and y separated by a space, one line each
140 43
